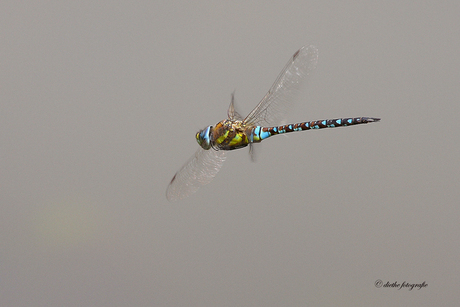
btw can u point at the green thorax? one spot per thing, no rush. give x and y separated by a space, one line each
229 135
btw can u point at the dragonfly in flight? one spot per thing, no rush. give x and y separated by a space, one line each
263 122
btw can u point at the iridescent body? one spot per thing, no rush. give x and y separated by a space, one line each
236 132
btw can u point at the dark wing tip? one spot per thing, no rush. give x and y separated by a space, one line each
296 54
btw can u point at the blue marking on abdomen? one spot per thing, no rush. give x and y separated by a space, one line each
255 132
264 134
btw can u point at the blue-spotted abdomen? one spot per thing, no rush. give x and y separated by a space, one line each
260 133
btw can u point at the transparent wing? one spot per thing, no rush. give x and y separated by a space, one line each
198 171
232 114
272 109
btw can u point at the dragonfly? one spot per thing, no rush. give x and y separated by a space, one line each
264 121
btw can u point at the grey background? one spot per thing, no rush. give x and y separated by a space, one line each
100 102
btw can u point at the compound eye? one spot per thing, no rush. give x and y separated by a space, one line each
203 138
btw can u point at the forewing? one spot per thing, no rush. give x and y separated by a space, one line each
198 171
272 109
232 114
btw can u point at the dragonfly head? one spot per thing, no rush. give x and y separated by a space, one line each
203 137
